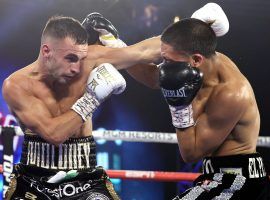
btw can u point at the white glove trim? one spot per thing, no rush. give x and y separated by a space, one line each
85 106
182 117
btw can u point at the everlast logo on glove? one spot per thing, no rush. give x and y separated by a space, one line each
105 74
174 93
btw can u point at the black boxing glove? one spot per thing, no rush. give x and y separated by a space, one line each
100 29
180 83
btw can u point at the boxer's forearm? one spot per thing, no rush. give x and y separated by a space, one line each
188 146
146 51
58 129
149 49
146 74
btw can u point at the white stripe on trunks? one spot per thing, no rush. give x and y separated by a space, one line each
237 184
198 190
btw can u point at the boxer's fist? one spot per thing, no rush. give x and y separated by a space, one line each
100 28
213 15
180 83
103 81
97 25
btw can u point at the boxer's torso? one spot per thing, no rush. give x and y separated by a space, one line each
58 98
243 137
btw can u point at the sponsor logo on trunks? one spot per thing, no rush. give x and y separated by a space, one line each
207 166
63 190
29 195
174 93
256 168
97 196
70 156
236 171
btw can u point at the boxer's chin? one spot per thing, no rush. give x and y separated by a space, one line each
64 80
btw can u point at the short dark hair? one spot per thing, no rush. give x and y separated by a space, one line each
192 36
61 27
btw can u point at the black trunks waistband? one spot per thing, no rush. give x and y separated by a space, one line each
248 165
75 153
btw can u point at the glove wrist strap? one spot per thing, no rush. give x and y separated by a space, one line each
182 117
109 40
85 106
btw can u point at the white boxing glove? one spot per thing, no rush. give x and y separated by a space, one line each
213 14
103 81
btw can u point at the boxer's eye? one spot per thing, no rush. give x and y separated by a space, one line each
72 58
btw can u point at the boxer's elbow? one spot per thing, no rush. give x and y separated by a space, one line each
190 155
190 158
55 140
50 135
52 138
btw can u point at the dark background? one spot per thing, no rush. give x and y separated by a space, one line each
140 108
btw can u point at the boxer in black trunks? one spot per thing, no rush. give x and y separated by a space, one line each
213 108
54 98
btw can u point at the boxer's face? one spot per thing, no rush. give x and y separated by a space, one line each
169 54
66 60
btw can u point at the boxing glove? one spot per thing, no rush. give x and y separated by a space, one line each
100 28
213 15
180 83
103 81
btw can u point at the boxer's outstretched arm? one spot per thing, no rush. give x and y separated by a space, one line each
34 114
146 74
146 51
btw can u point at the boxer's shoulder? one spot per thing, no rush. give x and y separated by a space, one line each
16 81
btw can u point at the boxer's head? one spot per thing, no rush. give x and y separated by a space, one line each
188 40
63 47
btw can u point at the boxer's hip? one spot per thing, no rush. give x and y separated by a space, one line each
251 166
75 153
31 182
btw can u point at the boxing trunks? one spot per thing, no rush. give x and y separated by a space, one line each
40 161
233 177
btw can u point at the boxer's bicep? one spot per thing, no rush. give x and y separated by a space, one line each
212 127
218 121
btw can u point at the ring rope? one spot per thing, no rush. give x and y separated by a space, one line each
142 136
152 175
136 136
147 175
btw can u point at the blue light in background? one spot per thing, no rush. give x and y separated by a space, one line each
103 159
109 157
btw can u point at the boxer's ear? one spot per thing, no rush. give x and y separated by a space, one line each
197 59
45 51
